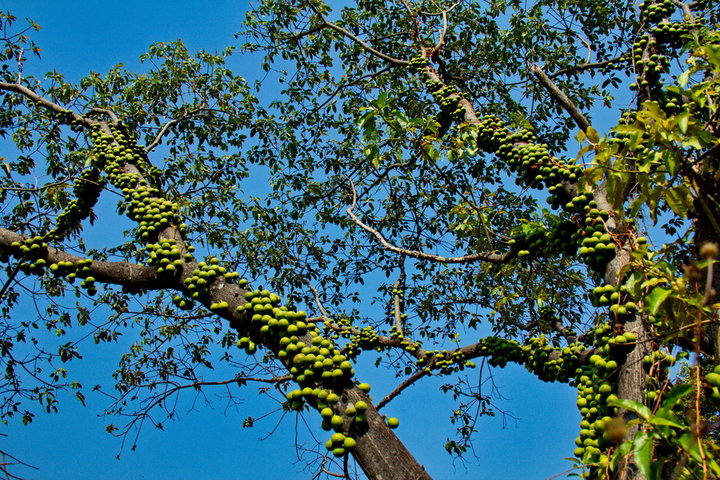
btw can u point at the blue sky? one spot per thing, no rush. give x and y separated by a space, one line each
209 441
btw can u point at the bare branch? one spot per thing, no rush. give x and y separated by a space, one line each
351 36
113 118
588 66
31 95
441 35
165 128
397 298
560 97
399 389
490 257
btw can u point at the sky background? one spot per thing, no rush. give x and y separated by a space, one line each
209 440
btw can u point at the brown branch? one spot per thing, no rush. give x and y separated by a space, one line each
399 389
397 299
31 95
490 257
113 118
165 128
560 97
117 273
588 66
351 36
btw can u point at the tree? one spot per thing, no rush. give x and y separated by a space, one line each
390 153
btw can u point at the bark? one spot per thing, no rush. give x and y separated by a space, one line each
631 376
379 451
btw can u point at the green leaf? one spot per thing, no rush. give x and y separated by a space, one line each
660 420
684 78
642 448
641 410
592 135
654 300
683 119
679 199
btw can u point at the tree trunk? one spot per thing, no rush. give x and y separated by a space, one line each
379 452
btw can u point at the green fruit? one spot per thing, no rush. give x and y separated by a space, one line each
337 422
338 452
361 406
713 379
349 443
365 387
393 422
326 413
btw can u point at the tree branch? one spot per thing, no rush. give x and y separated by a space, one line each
165 128
560 97
31 95
117 273
351 36
490 257
588 66
113 118
399 389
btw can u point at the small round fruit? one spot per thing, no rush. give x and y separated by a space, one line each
393 422
336 421
365 387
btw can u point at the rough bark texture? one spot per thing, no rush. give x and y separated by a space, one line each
379 451
631 376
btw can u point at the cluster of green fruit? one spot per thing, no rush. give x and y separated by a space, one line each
167 256
533 162
536 167
198 283
152 213
87 190
326 402
444 361
652 11
407 344
597 246
648 70
671 34
500 351
365 339
617 297
445 95
656 364
35 248
32 251
143 203
595 383
545 240
713 380
113 152
550 364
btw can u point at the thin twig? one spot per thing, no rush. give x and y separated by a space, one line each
398 390
490 257
365 46
588 66
165 128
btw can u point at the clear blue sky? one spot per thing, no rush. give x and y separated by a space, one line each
209 442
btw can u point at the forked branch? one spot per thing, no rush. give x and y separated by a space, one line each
490 257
